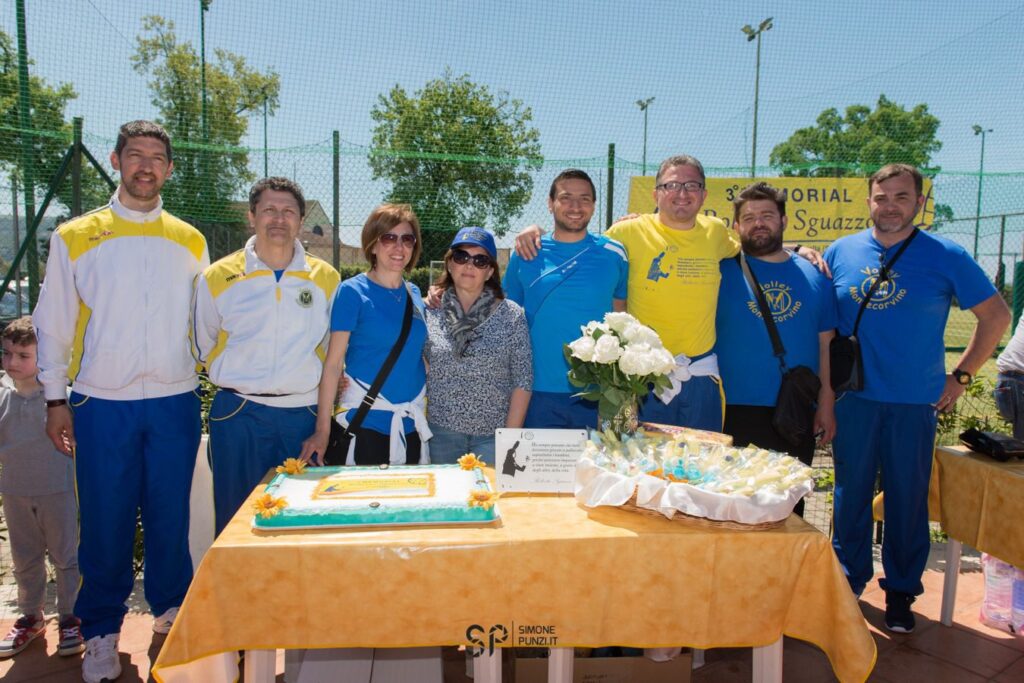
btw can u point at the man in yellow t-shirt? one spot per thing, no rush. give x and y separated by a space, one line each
673 288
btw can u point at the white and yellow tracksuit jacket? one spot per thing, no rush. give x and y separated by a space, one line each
113 311
256 335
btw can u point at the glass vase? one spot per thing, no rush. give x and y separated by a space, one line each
625 421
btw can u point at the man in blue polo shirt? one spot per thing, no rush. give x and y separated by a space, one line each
804 311
891 422
577 277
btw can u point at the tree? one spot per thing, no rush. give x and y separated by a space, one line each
51 131
459 154
208 174
861 141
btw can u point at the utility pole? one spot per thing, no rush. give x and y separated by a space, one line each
751 34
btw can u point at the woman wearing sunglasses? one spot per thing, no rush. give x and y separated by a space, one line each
366 321
478 350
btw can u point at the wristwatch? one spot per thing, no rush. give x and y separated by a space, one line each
962 377
54 402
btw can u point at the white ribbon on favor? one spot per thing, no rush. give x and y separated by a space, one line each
353 396
684 370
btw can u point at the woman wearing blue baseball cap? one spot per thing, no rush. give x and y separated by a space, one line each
478 352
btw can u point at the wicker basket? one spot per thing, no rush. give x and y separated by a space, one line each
701 521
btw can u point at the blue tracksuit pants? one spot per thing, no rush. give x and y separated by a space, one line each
899 438
133 455
246 440
699 405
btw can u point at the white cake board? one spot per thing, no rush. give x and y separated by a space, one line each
364 665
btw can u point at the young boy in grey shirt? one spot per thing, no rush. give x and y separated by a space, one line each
37 484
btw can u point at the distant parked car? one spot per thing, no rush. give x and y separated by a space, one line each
9 302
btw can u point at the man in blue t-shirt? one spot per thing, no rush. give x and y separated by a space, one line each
577 277
804 311
891 422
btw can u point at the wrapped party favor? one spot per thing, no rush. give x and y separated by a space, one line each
680 474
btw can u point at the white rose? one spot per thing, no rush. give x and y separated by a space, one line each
618 321
607 349
631 362
664 362
583 348
637 333
594 326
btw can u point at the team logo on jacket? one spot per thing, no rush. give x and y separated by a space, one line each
889 293
305 298
781 303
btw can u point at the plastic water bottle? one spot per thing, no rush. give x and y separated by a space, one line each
996 608
1017 612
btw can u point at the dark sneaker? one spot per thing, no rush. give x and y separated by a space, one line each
26 629
898 616
71 641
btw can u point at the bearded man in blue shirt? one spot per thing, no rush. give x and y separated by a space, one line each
890 423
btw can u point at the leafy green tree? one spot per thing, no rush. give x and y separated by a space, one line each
860 141
208 174
458 153
51 131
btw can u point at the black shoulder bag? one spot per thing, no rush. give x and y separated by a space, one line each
793 418
846 366
341 437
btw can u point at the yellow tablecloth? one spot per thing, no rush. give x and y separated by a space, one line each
981 501
599 577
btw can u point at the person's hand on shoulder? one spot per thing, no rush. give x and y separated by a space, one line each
814 257
527 243
627 217
433 297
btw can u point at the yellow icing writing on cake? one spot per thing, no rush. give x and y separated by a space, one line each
376 486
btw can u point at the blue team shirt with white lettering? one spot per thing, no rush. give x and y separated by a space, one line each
901 332
567 285
373 315
802 305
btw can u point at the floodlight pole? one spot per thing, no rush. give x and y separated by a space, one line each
644 104
753 34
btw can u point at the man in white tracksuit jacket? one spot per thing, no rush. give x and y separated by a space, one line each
113 319
260 320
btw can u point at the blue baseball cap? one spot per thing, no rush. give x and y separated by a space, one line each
477 237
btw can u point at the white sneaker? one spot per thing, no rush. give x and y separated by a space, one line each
101 662
163 623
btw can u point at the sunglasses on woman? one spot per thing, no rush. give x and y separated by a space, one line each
462 257
407 238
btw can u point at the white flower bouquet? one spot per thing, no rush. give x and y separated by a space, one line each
615 362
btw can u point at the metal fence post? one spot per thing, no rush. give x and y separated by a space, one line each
27 154
76 167
611 184
335 237
1018 292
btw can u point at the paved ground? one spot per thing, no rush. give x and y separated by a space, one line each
966 653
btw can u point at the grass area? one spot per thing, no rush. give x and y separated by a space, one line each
960 327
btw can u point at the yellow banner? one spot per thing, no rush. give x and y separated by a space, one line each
820 210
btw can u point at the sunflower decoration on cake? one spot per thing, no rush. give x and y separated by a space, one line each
292 466
266 506
471 462
482 498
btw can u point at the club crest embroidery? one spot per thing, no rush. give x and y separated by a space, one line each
889 292
305 298
781 303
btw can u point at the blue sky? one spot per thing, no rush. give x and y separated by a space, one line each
580 66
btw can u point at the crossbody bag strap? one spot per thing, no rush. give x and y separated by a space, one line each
554 269
766 314
883 276
385 370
